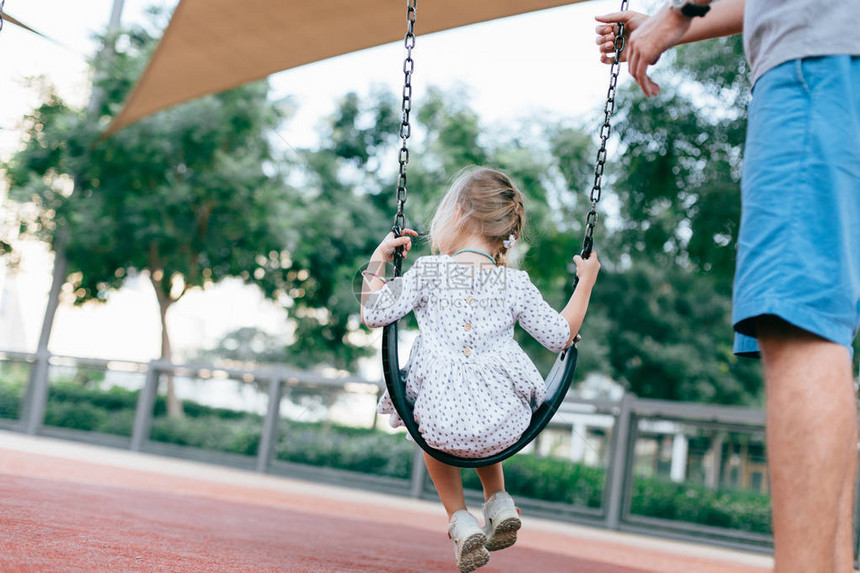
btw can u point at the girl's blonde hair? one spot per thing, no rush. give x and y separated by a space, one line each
482 201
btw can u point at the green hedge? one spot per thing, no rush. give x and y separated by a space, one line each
367 451
732 509
549 479
210 432
11 394
116 398
71 405
13 383
375 452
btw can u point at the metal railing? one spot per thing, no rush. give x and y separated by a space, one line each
634 423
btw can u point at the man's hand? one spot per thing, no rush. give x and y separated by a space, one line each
649 38
607 32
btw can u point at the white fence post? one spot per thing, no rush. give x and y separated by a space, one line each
36 397
620 462
419 474
269 434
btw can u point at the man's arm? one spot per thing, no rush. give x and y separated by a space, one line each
725 18
648 37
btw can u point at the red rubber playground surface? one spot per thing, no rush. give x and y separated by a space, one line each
79 508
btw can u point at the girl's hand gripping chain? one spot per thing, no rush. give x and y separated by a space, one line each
587 269
385 251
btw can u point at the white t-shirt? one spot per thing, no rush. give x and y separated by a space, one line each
777 31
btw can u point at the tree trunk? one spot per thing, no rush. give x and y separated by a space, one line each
174 405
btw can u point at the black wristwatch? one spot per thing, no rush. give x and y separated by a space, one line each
690 9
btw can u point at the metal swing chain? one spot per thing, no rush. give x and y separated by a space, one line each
405 129
605 129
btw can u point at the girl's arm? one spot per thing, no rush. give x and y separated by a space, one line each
577 306
553 329
384 253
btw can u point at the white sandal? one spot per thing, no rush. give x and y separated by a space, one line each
501 521
469 539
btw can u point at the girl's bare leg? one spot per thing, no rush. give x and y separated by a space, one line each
492 479
448 482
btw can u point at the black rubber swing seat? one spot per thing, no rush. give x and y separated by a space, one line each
557 384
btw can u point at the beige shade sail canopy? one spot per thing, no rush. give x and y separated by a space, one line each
214 45
12 20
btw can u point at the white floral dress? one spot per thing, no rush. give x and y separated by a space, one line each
472 387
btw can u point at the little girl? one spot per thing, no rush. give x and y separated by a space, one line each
472 386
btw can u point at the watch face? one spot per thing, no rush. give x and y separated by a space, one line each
693 10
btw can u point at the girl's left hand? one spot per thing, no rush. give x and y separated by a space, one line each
587 269
385 250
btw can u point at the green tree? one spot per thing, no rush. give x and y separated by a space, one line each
670 336
678 176
188 196
347 204
677 180
335 223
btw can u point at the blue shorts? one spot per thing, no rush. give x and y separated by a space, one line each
799 240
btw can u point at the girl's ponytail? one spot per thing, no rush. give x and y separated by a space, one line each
482 201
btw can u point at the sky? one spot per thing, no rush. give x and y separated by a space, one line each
547 62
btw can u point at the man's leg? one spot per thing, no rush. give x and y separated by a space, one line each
845 526
812 448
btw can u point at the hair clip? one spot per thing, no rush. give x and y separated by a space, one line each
510 241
